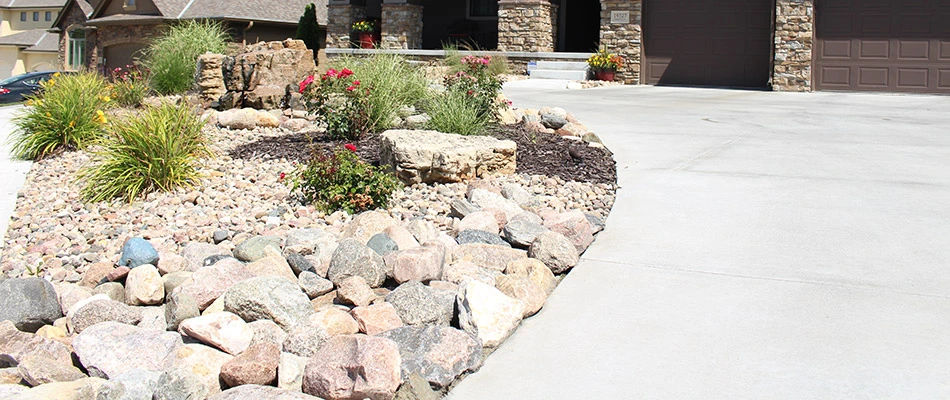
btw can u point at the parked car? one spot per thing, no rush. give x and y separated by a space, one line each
16 88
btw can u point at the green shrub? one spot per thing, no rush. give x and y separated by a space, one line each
129 86
481 86
308 30
498 63
455 112
68 115
172 58
340 102
393 83
341 181
157 150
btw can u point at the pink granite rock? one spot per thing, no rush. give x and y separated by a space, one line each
376 318
255 366
354 367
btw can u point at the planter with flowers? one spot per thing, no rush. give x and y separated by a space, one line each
604 64
365 31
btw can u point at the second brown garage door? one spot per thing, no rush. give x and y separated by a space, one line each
708 42
883 45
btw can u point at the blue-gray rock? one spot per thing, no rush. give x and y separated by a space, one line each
220 235
298 263
382 244
111 349
253 249
479 236
137 384
29 303
521 232
269 297
211 260
437 353
137 251
353 258
418 304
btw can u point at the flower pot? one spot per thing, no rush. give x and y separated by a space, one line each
604 75
366 40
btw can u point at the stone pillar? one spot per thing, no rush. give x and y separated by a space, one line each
623 37
526 25
794 31
401 25
341 14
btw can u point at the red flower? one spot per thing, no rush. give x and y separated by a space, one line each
305 83
349 146
345 73
281 176
356 82
350 88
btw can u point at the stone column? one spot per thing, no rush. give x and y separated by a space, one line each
623 36
794 31
341 14
526 25
401 25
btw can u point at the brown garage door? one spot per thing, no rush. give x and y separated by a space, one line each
883 45
122 55
708 42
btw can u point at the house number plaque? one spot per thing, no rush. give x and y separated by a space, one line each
620 17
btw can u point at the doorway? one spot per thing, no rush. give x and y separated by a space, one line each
579 30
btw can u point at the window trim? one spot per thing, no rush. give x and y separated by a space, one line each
75 50
36 16
48 16
22 16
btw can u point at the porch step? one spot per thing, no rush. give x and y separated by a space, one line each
569 70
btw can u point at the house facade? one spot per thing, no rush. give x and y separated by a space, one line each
788 45
25 44
108 34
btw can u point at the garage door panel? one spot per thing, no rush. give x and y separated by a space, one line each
889 45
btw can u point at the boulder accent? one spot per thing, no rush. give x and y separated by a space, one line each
264 76
438 354
354 367
435 157
111 348
487 313
29 303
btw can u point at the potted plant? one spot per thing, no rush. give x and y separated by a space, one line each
364 30
604 64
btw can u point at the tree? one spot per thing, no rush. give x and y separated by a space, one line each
308 30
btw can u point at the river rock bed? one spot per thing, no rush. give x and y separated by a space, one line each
234 289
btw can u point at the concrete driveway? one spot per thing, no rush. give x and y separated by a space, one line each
763 246
12 172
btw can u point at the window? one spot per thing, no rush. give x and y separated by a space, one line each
76 51
36 16
49 16
483 8
129 4
22 16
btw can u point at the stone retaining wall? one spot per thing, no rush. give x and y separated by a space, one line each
623 39
402 28
341 16
794 32
526 25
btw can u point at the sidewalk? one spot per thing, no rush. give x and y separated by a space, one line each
762 246
12 172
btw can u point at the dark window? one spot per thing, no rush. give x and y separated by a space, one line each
22 16
36 16
482 8
49 16
129 3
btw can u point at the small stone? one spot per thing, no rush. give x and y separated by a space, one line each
376 318
220 235
306 338
354 290
180 306
487 313
574 226
523 288
403 238
153 318
352 258
591 137
174 279
259 392
37 370
171 263
299 264
195 253
272 266
255 366
313 285
290 371
223 330
382 244
487 256
479 220
416 388
144 287
113 290
207 284
336 321
521 232
365 225
95 274
118 274
461 271
328 374
135 384
517 194
476 236
178 384
486 199
460 208
16 345
555 251
137 251
202 362
99 311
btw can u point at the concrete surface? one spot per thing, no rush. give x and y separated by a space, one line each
763 246
12 172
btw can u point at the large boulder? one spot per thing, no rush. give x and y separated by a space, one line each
554 250
418 304
29 303
256 366
573 225
39 370
135 384
260 392
102 310
201 362
487 313
419 264
376 318
438 354
487 255
223 330
431 156
366 224
354 367
111 348
16 346
269 297
209 283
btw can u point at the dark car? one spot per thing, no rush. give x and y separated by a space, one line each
16 88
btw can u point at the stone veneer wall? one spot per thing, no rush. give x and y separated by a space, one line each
401 26
623 39
121 34
794 32
340 17
525 25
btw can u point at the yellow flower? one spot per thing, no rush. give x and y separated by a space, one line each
51 82
29 103
56 75
47 114
100 117
72 124
105 99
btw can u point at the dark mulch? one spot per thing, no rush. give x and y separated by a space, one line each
538 153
